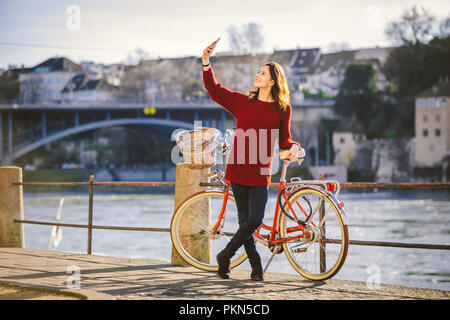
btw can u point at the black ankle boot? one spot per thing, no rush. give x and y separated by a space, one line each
223 260
257 270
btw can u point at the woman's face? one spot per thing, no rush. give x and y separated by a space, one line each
263 78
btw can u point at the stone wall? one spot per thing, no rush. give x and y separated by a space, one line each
389 160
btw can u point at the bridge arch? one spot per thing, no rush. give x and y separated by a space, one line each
96 125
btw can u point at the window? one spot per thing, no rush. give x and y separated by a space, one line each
425 118
342 140
425 132
420 103
437 132
431 102
438 117
442 102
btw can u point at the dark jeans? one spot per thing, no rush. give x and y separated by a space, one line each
251 204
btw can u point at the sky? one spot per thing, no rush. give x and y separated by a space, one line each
108 31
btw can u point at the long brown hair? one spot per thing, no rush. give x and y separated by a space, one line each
280 89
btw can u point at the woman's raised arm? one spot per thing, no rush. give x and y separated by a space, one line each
218 93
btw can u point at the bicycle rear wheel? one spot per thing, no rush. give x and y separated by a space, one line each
192 233
321 254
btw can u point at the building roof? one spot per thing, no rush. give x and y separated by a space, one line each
82 82
439 89
57 64
300 61
350 125
336 59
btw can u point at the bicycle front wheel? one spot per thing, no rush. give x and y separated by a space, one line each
317 251
192 229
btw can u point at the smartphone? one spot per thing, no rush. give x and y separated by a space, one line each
214 45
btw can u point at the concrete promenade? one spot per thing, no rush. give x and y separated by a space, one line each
102 277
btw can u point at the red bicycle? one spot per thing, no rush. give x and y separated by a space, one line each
309 225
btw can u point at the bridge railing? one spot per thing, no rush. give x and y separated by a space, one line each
90 226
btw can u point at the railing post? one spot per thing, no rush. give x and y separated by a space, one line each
322 252
91 202
11 207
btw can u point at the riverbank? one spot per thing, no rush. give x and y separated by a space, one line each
104 277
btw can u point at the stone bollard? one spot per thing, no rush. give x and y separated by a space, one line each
11 207
199 150
187 183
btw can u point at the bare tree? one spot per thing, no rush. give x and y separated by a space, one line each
415 27
254 36
134 84
444 27
247 40
338 46
235 40
31 90
134 57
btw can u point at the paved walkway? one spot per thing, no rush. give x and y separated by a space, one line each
104 277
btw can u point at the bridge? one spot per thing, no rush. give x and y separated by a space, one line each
24 128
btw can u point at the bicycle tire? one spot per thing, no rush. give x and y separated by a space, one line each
199 230
298 251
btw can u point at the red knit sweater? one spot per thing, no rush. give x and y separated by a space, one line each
258 124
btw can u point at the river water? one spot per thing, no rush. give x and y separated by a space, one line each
410 216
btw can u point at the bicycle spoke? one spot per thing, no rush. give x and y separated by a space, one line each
314 212
324 217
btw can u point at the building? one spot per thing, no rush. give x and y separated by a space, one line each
44 82
83 89
432 124
345 139
329 71
112 73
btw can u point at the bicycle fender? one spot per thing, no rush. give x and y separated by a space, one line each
341 210
332 198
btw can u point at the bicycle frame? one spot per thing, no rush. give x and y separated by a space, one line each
271 239
273 230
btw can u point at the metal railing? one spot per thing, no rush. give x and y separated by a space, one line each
92 183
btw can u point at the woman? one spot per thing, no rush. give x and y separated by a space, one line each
264 108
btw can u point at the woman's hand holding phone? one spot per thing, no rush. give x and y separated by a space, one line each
208 51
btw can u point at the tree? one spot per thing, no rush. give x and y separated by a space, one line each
9 85
414 68
248 40
338 46
422 57
134 84
415 27
357 93
134 57
193 90
444 27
